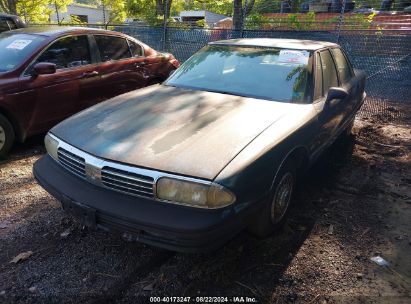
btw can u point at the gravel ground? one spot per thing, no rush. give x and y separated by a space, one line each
354 204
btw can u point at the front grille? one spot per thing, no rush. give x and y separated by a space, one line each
73 163
127 182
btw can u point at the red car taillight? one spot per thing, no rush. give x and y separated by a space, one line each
175 63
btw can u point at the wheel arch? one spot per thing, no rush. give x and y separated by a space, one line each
14 122
299 156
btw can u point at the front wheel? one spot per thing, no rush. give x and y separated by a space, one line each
6 136
275 210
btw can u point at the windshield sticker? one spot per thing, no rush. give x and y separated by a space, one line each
19 44
292 56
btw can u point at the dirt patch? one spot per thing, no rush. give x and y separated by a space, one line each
354 205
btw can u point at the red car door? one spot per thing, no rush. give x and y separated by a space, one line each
56 96
120 70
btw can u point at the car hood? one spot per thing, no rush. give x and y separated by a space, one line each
188 132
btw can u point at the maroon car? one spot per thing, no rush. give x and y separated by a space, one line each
49 73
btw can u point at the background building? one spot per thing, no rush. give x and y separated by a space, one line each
192 17
83 13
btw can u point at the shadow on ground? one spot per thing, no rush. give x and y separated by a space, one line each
322 253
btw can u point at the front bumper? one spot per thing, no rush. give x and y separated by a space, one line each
165 225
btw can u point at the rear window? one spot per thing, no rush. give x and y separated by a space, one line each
343 67
329 72
12 24
136 49
112 48
16 48
4 25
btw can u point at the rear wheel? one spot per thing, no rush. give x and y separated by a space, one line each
7 136
275 210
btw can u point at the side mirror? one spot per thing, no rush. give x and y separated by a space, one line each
336 93
44 68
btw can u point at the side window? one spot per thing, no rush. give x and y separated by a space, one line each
112 48
3 25
344 70
136 49
318 88
68 52
12 24
329 72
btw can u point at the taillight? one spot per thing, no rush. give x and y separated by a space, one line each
175 63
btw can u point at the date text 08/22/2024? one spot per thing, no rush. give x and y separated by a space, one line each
204 299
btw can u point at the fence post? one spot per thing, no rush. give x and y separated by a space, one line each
103 4
165 26
341 20
57 12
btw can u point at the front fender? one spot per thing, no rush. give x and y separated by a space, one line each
251 173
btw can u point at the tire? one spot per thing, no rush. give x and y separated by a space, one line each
7 136
272 216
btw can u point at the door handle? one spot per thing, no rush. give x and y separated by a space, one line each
90 74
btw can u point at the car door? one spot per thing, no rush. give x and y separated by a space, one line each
330 114
120 70
348 82
59 95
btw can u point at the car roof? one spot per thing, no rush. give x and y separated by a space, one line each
297 44
57 31
7 15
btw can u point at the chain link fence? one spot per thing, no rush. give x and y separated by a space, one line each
385 57
375 34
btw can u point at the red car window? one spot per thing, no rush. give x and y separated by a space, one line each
3 25
136 49
68 52
112 48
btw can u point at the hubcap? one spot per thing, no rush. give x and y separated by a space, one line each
282 197
2 138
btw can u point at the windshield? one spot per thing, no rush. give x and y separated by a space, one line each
266 73
15 48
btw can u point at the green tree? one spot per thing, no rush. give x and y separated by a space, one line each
241 12
266 6
149 10
60 7
163 7
9 6
117 8
224 7
33 10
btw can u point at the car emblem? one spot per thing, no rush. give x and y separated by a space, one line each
93 173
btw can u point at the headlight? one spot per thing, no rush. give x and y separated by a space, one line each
51 146
194 194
